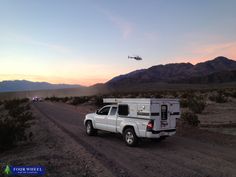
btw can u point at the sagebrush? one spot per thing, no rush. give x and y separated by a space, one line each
190 118
14 123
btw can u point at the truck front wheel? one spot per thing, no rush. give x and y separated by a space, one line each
130 137
89 129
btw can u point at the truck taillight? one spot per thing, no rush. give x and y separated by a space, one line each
150 125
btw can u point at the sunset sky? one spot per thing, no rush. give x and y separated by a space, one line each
88 41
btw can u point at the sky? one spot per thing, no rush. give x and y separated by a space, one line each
88 41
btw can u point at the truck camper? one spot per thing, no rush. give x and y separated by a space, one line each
135 118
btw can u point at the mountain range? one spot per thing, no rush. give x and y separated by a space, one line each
218 70
24 85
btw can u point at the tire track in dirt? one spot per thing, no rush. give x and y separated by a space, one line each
116 169
177 156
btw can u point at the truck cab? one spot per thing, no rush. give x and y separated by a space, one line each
105 118
135 118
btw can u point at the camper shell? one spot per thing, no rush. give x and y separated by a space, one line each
148 117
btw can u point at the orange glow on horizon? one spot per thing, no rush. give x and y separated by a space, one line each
90 80
209 52
90 74
203 59
55 80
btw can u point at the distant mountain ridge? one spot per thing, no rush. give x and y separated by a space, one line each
218 70
24 85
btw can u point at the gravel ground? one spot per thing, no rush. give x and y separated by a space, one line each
61 145
55 150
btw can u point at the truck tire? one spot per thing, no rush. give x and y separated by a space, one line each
89 129
130 137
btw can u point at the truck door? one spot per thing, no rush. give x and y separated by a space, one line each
111 119
101 118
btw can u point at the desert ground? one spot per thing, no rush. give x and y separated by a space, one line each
61 145
218 114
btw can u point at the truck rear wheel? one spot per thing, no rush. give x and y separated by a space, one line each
89 129
130 137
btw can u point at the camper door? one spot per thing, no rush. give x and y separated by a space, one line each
165 116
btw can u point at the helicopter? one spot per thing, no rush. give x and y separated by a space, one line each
136 57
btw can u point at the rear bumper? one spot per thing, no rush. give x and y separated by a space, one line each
158 134
168 131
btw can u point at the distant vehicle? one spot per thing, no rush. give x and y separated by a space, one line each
135 118
37 99
135 57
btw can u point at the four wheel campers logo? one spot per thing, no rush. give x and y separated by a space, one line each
9 170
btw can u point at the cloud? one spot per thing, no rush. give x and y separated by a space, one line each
55 47
219 49
30 40
124 26
196 52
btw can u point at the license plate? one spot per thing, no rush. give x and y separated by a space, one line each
162 133
164 123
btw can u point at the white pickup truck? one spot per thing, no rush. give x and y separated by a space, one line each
135 118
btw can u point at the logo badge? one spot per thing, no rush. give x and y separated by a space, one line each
7 170
24 170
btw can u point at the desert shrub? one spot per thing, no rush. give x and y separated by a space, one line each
174 94
158 95
231 93
190 118
18 110
219 97
183 103
13 126
98 101
65 99
187 94
79 100
196 104
11 104
58 99
53 99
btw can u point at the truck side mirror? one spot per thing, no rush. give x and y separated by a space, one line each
97 111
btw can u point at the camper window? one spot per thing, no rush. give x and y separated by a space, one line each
123 109
163 112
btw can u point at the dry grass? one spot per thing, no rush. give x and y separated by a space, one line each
219 113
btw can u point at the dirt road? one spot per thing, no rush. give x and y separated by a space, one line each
177 156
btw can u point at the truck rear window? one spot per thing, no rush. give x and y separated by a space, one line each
123 109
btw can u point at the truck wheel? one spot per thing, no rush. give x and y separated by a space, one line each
130 137
89 129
